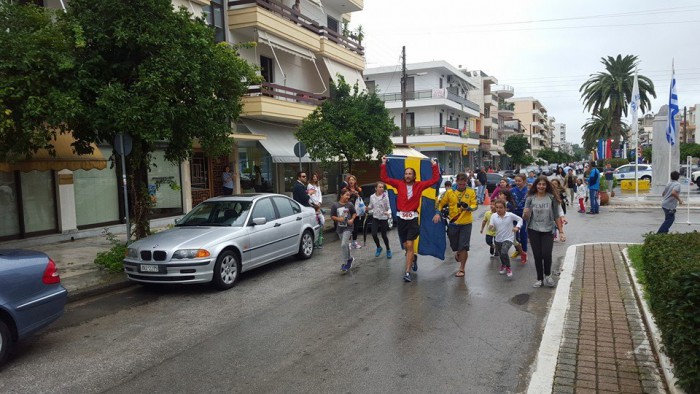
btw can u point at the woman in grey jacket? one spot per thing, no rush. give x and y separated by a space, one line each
542 215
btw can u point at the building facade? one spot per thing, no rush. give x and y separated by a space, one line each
441 121
533 116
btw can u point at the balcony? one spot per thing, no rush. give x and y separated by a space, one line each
269 101
503 91
434 130
537 125
276 18
429 95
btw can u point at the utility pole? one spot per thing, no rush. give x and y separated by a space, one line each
685 124
404 132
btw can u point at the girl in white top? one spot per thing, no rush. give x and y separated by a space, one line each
581 194
381 210
502 223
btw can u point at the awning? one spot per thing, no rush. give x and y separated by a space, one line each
284 45
65 158
279 141
350 74
494 153
247 137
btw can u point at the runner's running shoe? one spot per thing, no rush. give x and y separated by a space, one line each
548 281
502 270
515 254
378 252
415 263
407 277
509 273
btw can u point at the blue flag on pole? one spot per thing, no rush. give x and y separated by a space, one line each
431 240
672 111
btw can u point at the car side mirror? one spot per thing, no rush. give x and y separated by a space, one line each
259 221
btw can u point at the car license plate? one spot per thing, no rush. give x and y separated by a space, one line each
149 268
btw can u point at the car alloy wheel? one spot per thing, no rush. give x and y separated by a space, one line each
306 246
226 270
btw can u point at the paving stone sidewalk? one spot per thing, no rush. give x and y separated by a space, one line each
605 347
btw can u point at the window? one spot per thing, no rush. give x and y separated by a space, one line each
96 196
264 209
440 83
440 119
333 24
370 87
199 172
267 70
410 119
283 206
215 17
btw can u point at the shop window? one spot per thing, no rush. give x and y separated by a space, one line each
38 201
9 225
164 185
96 196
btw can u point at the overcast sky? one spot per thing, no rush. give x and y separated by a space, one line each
544 49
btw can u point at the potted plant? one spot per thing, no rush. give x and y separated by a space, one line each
603 193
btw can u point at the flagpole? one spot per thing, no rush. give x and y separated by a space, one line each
635 126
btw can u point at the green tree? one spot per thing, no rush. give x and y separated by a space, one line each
36 64
612 90
555 157
350 125
600 126
579 152
157 74
516 147
686 150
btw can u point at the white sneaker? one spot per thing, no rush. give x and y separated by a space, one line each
548 281
537 284
509 273
502 270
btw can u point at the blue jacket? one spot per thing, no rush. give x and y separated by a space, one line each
594 179
520 195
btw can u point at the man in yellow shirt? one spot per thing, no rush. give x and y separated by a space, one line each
460 203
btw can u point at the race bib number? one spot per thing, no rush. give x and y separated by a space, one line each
408 215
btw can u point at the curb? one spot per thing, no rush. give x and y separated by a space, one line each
99 289
542 379
653 330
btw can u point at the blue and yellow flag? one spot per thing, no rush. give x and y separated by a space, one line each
431 241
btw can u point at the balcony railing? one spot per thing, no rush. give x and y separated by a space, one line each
506 106
433 130
276 7
428 95
280 92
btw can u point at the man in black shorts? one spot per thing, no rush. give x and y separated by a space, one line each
461 203
408 195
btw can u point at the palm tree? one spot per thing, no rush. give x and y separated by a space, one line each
612 90
600 126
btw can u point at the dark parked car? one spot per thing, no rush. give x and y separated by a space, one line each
31 296
492 181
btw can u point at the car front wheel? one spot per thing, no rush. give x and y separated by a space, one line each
5 342
226 270
306 245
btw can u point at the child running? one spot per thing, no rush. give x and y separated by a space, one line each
490 233
503 225
343 214
379 206
581 194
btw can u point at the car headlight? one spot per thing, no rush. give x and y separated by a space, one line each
132 253
191 254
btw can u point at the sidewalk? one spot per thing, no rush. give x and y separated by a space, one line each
595 339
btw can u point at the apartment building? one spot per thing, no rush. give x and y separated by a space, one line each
687 124
441 121
558 136
494 111
297 54
533 116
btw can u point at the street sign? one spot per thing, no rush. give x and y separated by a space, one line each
123 144
299 149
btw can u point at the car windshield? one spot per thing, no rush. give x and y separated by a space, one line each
217 213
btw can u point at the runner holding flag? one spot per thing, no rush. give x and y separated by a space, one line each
408 199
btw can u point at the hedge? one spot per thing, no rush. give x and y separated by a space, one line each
671 266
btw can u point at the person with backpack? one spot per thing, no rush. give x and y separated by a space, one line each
593 188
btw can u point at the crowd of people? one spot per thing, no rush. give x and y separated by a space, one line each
527 213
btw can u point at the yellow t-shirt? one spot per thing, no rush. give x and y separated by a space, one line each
451 198
487 219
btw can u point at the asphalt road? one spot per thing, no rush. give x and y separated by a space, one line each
303 326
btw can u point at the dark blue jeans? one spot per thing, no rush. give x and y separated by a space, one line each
595 205
668 221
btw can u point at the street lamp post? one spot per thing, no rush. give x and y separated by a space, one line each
404 132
